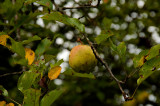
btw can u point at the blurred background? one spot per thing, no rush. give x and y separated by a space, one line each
136 22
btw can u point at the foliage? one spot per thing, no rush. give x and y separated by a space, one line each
35 33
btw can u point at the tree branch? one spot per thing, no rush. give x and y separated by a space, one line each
107 67
12 73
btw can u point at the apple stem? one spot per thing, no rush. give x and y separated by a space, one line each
79 40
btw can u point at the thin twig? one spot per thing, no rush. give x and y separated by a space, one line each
14 101
12 73
84 6
107 67
132 73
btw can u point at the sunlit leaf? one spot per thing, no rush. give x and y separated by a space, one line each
154 51
29 55
42 47
49 98
31 97
148 68
71 72
54 72
57 16
3 91
31 39
3 39
26 80
139 60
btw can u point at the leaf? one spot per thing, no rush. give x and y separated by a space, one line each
106 22
42 47
102 37
148 68
18 48
54 72
139 60
57 16
16 60
113 46
2 103
122 49
154 51
71 72
31 97
29 1
29 55
3 91
3 39
26 80
48 57
49 98
46 3
31 39
10 104
58 63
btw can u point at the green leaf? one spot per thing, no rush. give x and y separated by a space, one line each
21 61
49 98
106 23
48 57
29 1
71 72
57 63
3 33
26 80
18 48
42 47
103 37
148 68
57 16
139 60
113 46
31 39
122 48
154 51
31 97
46 3
3 91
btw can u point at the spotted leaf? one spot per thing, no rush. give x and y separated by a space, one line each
54 72
30 55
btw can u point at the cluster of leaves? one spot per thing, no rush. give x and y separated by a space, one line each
36 82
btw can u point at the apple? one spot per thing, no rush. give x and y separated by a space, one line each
82 58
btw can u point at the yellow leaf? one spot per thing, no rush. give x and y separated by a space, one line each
30 55
2 103
3 39
10 104
54 72
141 61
